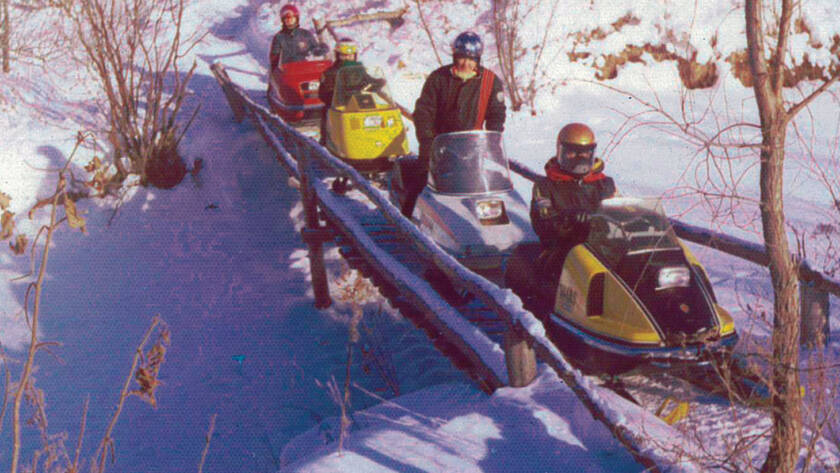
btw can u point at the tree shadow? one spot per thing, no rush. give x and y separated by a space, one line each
561 436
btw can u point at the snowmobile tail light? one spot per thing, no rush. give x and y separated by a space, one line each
673 276
491 212
373 121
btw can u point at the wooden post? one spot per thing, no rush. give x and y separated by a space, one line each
814 306
520 359
233 100
312 235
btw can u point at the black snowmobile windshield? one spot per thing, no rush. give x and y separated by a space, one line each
626 226
469 162
366 87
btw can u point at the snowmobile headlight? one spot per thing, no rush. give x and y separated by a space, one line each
373 121
310 86
673 276
491 212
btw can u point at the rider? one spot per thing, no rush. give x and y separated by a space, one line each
457 97
561 203
292 43
573 187
346 53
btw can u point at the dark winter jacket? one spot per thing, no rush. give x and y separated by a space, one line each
327 82
449 103
292 45
558 198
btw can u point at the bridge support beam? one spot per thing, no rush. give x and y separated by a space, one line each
520 359
312 235
814 310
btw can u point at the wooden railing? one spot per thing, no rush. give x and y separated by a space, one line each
525 339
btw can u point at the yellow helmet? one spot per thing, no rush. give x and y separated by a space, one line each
576 149
346 46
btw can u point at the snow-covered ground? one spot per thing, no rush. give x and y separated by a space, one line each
219 260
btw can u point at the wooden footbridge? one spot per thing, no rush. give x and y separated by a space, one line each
487 334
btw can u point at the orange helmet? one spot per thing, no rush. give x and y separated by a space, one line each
576 149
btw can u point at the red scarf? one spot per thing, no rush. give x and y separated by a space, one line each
553 171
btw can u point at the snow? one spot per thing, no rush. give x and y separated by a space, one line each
471 433
221 260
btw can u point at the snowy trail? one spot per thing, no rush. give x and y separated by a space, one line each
214 279
222 264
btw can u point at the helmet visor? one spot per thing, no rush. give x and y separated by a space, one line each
576 159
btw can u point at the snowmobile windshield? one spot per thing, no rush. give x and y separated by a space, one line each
360 88
469 162
626 226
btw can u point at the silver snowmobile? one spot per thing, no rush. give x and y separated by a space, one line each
469 206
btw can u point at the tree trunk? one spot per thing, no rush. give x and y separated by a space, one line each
767 83
5 39
505 30
786 400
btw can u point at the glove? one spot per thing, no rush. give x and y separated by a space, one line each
320 49
581 218
576 217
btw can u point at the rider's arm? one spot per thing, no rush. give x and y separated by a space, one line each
326 87
495 118
313 47
276 51
608 189
425 114
545 218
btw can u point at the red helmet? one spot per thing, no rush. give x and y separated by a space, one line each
290 9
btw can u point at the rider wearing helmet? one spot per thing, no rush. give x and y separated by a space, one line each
574 187
454 98
561 202
346 53
292 43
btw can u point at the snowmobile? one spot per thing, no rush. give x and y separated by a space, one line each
632 295
293 91
469 206
364 125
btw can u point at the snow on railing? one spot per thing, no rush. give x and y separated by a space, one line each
602 404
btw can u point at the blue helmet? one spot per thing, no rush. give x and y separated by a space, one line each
467 44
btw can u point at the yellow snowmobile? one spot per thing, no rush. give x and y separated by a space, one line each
364 126
632 294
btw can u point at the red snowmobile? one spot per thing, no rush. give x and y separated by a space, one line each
293 90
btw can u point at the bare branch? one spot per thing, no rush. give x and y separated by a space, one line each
795 109
778 63
106 445
74 468
207 439
428 31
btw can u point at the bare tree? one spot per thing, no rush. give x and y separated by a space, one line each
134 48
508 16
4 36
735 148
28 34
767 70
